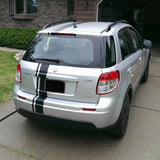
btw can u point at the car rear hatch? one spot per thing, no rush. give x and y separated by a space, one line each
62 67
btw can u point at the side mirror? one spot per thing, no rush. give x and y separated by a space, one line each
147 43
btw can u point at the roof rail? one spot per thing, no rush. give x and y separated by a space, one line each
59 22
114 23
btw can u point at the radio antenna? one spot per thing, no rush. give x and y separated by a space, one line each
74 24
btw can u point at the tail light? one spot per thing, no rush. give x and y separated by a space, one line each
18 74
108 82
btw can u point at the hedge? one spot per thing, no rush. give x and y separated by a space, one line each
16 37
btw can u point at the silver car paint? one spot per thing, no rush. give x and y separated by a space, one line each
81 83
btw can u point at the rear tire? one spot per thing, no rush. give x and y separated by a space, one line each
120 128
146 73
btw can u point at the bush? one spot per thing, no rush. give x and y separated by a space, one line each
16 37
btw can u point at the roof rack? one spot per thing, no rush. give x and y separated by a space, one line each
59 22
114 23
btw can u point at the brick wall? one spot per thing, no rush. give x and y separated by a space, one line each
48 11
84 13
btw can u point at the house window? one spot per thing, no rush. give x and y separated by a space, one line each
70 7
25 7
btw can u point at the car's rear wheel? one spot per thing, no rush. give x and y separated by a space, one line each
120 128
146 73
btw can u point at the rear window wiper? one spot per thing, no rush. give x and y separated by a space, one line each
45 59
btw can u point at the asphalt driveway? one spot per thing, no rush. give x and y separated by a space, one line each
21 139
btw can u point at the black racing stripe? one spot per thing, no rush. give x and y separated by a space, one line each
37 79
42 95
33 103
39 104
36 88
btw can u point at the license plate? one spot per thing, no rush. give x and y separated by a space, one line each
55 86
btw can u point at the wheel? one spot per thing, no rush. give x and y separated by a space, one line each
120 128
146 73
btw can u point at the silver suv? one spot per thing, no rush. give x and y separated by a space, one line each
82 75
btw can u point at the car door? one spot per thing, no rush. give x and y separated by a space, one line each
138 52
129 57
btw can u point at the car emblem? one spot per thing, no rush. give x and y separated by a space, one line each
55 70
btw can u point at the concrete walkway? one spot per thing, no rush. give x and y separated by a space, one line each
22 139
11 49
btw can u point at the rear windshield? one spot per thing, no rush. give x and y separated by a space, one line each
64 50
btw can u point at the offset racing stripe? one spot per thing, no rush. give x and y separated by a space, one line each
41 93
33 101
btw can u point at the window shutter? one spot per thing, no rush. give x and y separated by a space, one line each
11 7
70 7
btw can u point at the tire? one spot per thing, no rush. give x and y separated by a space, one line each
146 73
120 128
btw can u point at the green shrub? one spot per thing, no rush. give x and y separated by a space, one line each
16 37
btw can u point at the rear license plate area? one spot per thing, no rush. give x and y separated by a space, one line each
55 86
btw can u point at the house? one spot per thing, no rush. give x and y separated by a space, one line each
143 14
32 13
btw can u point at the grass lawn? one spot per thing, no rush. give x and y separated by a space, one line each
8 66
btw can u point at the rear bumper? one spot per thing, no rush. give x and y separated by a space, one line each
58 122
106 113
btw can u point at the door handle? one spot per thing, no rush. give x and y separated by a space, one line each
140 58
129 69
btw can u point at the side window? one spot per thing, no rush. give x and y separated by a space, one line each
110 52
26 7
124 43
134 40
140 40
23 9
